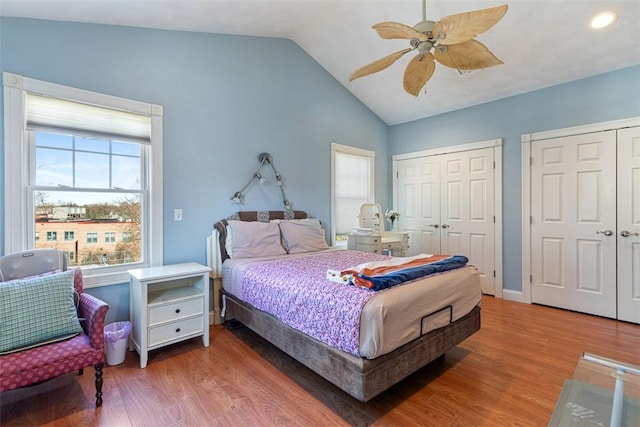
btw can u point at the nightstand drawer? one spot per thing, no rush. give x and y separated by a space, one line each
174 331
175 311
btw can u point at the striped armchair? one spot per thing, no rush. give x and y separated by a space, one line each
43 362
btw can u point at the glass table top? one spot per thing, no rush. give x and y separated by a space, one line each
603 392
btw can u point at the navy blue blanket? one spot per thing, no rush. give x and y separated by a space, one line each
388 280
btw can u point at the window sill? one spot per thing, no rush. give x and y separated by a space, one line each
105 279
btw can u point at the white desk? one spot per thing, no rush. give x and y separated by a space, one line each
396 244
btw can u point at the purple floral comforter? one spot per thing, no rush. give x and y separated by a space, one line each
296 291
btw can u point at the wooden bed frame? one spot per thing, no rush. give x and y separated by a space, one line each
360 377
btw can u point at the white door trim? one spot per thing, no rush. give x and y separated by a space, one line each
451 149
527 140
497 201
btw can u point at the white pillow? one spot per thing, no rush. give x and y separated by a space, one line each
303 235
250 239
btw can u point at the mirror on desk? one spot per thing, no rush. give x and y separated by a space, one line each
370 217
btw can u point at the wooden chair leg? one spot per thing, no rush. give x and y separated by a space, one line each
99 384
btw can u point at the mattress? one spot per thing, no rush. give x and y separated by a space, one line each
394 316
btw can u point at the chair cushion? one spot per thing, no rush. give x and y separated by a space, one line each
37 310
42 363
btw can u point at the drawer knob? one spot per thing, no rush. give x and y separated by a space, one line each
177 310
177 330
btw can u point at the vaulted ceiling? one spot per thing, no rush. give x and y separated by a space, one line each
541 42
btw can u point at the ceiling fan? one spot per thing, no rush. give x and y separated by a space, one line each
450 39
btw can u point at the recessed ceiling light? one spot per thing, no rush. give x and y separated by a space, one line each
603 19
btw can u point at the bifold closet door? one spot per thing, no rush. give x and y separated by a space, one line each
419 203
629 224
466 210
446 205
573 223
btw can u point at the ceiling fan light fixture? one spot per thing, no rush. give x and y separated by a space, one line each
603 19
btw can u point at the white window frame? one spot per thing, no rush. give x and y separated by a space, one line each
19 226
356 152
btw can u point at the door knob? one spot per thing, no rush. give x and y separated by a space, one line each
434 225
445 226
625 233
605 232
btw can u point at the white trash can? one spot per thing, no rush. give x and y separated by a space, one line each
116 339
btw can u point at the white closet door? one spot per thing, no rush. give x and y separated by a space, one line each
629 224
573 241
419 203
467 203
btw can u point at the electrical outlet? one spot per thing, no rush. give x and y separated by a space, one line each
177 214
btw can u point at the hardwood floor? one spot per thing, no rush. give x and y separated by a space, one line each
509 373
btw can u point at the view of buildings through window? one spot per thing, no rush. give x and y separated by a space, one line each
87 198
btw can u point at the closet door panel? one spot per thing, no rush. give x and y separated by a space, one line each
629 225
419 204
467 210
573 253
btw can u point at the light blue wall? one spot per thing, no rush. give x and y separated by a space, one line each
226 99
602 98
229 98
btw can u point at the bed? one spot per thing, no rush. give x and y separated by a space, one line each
399 330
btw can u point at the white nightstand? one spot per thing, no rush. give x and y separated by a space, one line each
168 304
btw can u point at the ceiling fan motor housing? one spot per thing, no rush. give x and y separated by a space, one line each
424 26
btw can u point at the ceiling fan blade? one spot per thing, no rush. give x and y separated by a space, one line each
395 30
378 65
470 55
461 27
418 72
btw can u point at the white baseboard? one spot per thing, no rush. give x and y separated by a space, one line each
512 295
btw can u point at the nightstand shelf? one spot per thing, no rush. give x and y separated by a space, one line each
169 304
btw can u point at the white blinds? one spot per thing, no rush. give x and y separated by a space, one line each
58 114
352 188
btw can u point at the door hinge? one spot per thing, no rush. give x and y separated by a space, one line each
531 278
494 273
530 161
530 220
494 219
494 164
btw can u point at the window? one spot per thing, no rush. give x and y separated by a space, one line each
81 162
52 236
352 183
126 236
37 237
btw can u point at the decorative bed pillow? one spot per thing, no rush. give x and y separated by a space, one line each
37 310
303 235
250 239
